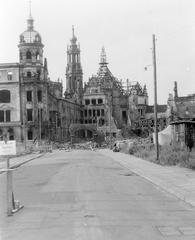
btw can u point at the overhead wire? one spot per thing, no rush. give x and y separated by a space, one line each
175 34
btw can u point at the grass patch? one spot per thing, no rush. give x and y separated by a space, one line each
169 155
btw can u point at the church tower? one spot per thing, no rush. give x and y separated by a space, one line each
34 82
74 72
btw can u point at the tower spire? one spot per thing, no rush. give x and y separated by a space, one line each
73 31
73 39
30 19
29 8
103 56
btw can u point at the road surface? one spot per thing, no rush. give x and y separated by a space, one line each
87 196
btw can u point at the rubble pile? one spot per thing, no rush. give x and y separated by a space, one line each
130 146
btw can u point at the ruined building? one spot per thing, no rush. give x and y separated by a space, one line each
33 107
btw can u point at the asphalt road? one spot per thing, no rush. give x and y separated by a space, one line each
84 195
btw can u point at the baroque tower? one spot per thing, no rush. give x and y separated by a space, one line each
34 82
74 72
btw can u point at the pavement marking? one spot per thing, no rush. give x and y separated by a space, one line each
187 231
169 231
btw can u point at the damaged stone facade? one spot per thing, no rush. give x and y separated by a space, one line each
41 109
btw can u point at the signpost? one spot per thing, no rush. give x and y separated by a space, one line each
8 148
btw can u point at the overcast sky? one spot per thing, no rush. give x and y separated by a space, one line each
124 27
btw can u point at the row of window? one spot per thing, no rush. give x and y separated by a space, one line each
10 132
93 121
5 96
5 116
29 96
9 75
30 115
93 101
29 55
92 113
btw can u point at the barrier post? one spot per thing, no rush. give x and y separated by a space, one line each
9 190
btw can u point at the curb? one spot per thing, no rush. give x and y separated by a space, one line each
161 185
28 160
25 161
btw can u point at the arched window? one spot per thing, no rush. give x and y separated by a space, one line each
5 96
29 74
37 56
28 55
30 135
11 134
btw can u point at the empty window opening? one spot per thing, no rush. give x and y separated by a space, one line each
87 102
11 134
124 114
94 113
5 96
40 115
100 101
38 74
37 56
39 95
7 115
30 135
28 55
89 112
1 135
9 75
102 112
98 112
29 96
86 121
29 115
85 112
93 101
21 57
29 74
1 116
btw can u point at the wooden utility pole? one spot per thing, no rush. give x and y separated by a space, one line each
110 122
40 124
155 101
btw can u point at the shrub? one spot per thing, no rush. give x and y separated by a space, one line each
168 154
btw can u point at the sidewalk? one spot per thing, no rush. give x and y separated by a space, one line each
175 180
17 161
